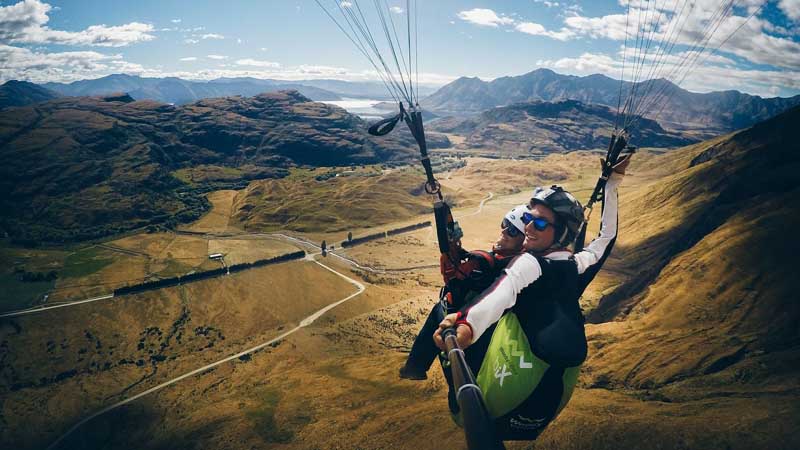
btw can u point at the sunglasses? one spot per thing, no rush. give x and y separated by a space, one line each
509 228
538 222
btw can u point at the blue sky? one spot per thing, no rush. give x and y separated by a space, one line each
293 39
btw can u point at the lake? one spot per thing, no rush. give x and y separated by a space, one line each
364 108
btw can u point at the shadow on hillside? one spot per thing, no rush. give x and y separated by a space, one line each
139 425
744 175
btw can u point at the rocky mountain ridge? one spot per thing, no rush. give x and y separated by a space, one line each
711 113
21 93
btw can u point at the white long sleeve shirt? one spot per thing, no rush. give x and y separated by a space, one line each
525 269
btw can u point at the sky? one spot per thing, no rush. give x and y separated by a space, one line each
64 41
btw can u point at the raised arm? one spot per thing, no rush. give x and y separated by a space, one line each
595 253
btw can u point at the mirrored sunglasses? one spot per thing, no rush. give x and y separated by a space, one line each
509 228
538 222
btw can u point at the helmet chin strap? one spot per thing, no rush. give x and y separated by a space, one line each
559 243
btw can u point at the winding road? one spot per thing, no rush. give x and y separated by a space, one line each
286 237
36 309
303 323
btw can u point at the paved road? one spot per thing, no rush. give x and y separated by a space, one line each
432 235
303 323
293 239
37 309
480 207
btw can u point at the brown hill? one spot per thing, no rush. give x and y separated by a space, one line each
331 205
545 127
714 265
21 93
82 167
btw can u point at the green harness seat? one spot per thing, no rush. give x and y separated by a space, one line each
522 392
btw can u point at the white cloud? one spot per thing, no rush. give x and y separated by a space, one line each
24 23
396 9
175 20
752 43
189 58
24 64
611 26
239 41
791 8
190 41
257 63
752 40
547 3
710 77
539 30
573 9
212 36
346 4
484 17
217 57
756 40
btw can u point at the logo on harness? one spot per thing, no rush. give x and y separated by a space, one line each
515 352
499 373
524 423
505 367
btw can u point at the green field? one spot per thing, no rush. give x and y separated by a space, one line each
83 262
18 294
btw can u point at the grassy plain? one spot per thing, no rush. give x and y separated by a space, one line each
106 351
98 269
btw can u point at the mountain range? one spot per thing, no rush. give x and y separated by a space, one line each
703 114
545 127
179 91
710 113
83 167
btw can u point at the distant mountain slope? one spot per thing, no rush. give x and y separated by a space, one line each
545 127
21 93
179 91
709 306
714 112
81 167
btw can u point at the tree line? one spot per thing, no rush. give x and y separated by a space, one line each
196 276
383 234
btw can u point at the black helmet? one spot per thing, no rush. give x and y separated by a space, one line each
569 212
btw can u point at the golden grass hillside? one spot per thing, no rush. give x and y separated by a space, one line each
61 365
356 201
707 320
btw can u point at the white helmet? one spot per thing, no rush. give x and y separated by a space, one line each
514 217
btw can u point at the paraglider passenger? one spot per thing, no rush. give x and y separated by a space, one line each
479 270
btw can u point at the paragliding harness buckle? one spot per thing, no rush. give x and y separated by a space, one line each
433 187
